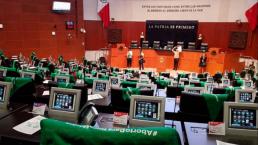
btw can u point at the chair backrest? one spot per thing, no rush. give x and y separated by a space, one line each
193 107
174 91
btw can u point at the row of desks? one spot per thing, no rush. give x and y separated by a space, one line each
196 133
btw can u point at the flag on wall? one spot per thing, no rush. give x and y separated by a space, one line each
252 15
103 11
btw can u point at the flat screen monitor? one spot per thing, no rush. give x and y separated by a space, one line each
225 82
40 65
194 90
248 84
25 74
156 44
185 81
64 104
3 72
204 46
210 79
147 111
176 84
193 75
114 81
61 7
134 44
65 71
245 95
145 44
62 79
209 87
100 87
170 45
5 90
241 119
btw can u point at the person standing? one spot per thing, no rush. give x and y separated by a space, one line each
141 61
199 42
203 61
176 50
129 57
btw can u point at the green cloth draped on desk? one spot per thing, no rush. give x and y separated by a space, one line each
231 92
55 132
65 85
163 83
125 84
215 104
128 92
17 83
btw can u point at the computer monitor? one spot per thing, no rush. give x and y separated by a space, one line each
99 75
147 111
64 104
5 90
156 44
185 81
193 75
101 87
25 74
144 86
62 79
248 84
40 65
194 90
204 46
209 87
225 82
210 80
65 71
241 119
170 45
3 72
176 84
114 81
245 95
133 44
145 44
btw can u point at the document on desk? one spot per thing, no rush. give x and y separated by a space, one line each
45 93
30 126
94 97
223 143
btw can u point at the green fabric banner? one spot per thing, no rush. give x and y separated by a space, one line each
55 132
215 104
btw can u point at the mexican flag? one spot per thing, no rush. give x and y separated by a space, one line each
252 16
103 11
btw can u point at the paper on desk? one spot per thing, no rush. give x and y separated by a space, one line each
94 97
30 126
223 143
45 93
46 81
